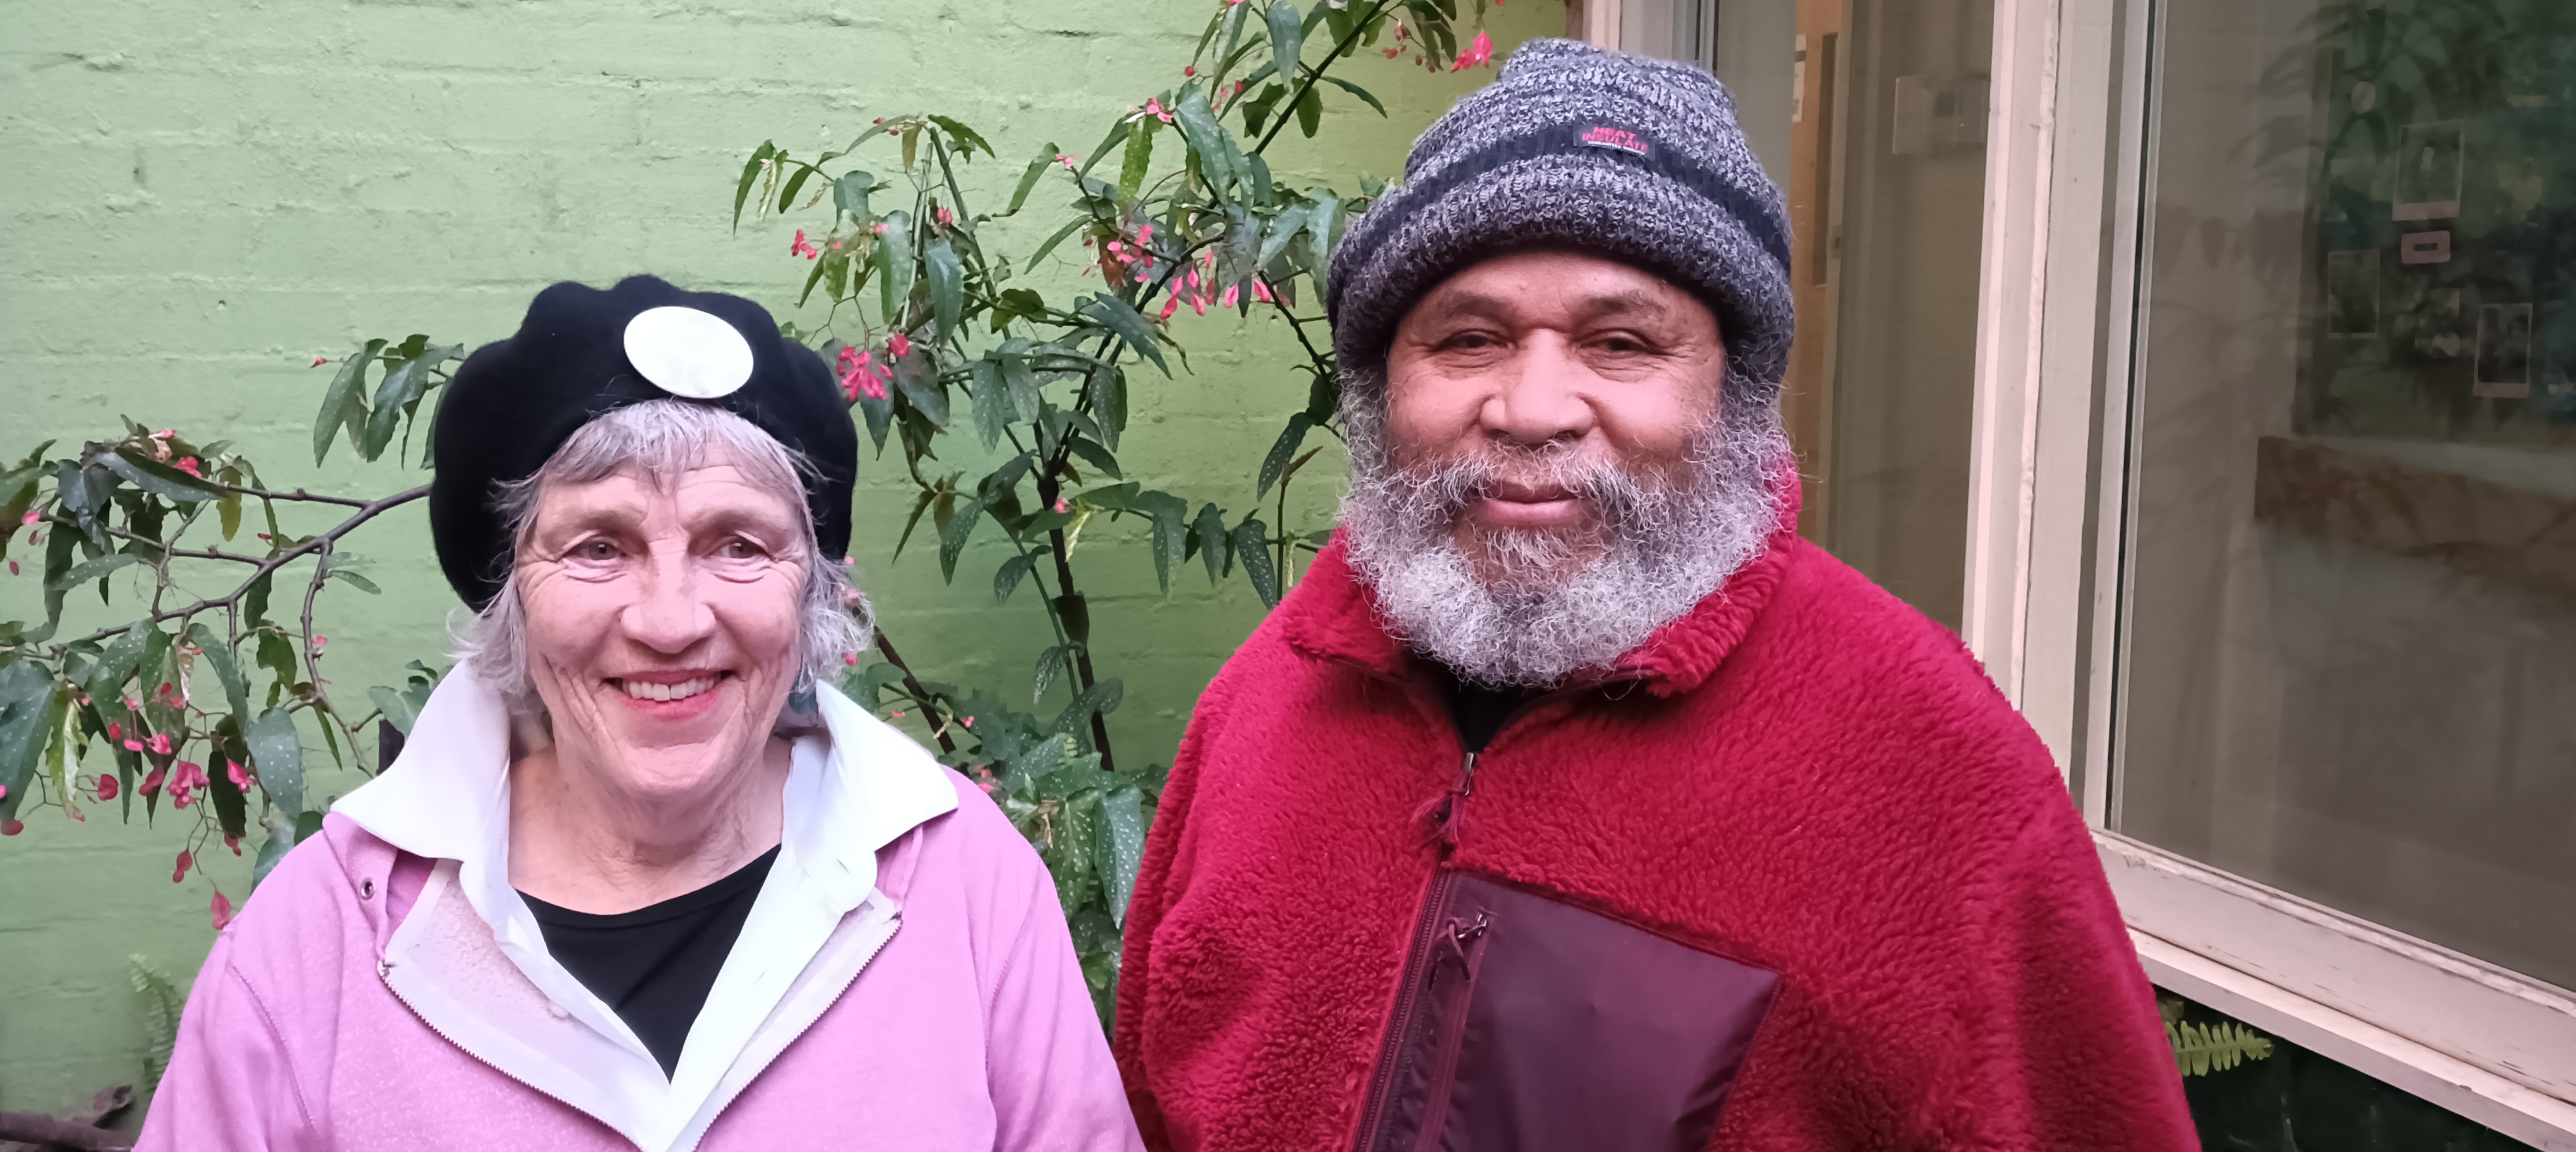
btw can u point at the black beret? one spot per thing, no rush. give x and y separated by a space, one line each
516 401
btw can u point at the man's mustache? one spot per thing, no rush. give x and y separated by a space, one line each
1602 483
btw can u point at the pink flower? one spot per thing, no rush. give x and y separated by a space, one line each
1189 69
1059 505
319 361
1392 53
1477 53
1145 234
240 776
115 731
1261 291
151 781
1154 108
899 344
850 658
4 791
1067 159
802 248
29 518
1170 306
184 861
106 787
1233 292
188 464
947 219
13 567
161 743
133 745
986 785
234 843
319 641
223 910
11 827
879 228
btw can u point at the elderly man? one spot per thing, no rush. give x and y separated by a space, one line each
1573 801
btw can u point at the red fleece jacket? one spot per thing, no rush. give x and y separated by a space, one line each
1803 774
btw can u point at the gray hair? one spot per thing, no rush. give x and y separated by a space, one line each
658 440
1674 542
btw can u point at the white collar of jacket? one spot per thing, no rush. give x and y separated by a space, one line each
851 790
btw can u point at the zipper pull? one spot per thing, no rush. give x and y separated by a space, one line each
1460 939
1447 813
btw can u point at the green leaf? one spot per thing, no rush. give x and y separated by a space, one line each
850 194
795 184
921 385
741 195
157 478
1210 530
398 710
1029 178
1355 90
1102 697
219 656
1061 234
281 839
1006 579
277 754
1122 318
967 138
1121 847
1139 160
1252 543
255 601
894 266
1284 228
1068 851
1042 677
1310 112
1219 157
360 582
88 570
1281 450
29 723
342 403
953 535
401 386
1109 402
947 285
1287 40
1095 455
992 406
919 506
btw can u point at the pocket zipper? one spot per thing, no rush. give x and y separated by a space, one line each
1467 942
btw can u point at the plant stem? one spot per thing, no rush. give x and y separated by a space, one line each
1047 491
912 684
1315 72
367 510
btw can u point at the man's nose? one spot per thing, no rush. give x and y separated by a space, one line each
670 616
1541 396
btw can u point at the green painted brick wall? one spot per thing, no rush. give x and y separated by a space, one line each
198 199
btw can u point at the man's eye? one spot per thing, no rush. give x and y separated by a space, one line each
594 550
1471 340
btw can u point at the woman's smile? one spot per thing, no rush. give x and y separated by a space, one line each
674 694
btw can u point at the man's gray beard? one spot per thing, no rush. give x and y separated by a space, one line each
1671 544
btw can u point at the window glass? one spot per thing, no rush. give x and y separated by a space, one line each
1871 116
2349 650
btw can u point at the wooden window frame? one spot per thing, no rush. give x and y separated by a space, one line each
2070 159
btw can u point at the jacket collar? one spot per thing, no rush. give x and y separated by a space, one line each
447 797
1334 615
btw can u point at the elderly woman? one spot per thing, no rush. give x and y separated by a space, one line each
642 878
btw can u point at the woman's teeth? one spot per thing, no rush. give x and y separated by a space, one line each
680 691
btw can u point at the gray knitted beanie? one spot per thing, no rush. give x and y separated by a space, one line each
1630 157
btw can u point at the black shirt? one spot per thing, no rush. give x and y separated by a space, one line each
655 965
1478 711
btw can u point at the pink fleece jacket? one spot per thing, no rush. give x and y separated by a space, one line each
970 1028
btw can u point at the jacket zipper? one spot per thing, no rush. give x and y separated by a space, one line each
894 923
1468 941
1416 955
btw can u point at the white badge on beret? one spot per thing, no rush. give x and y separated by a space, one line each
687 352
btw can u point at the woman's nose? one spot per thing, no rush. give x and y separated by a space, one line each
1540 397
670 617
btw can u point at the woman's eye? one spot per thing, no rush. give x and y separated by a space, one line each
738 549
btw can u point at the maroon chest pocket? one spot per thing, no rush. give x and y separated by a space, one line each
1526 1023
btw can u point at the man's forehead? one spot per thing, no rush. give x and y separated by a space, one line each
1584 285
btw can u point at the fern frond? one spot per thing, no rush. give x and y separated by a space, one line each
2202 1049
161 1004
